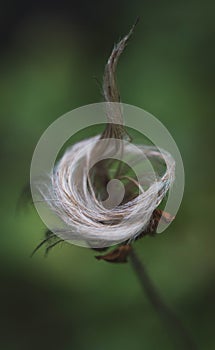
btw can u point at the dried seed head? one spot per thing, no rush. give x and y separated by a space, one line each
80 179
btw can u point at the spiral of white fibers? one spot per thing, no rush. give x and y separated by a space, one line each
71 197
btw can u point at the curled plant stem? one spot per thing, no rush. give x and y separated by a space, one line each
114 127
174 325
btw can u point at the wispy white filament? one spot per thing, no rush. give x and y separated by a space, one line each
84 217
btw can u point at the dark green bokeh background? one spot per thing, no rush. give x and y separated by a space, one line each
50 52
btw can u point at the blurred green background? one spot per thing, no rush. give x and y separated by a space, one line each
50 54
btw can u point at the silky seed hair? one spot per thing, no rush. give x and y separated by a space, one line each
74 195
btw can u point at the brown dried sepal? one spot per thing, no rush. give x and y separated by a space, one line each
118 255
157 215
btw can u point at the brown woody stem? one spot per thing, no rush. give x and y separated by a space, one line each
175 326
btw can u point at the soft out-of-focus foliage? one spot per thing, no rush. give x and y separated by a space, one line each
50 54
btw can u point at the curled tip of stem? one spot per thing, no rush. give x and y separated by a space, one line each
114 128
110 90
